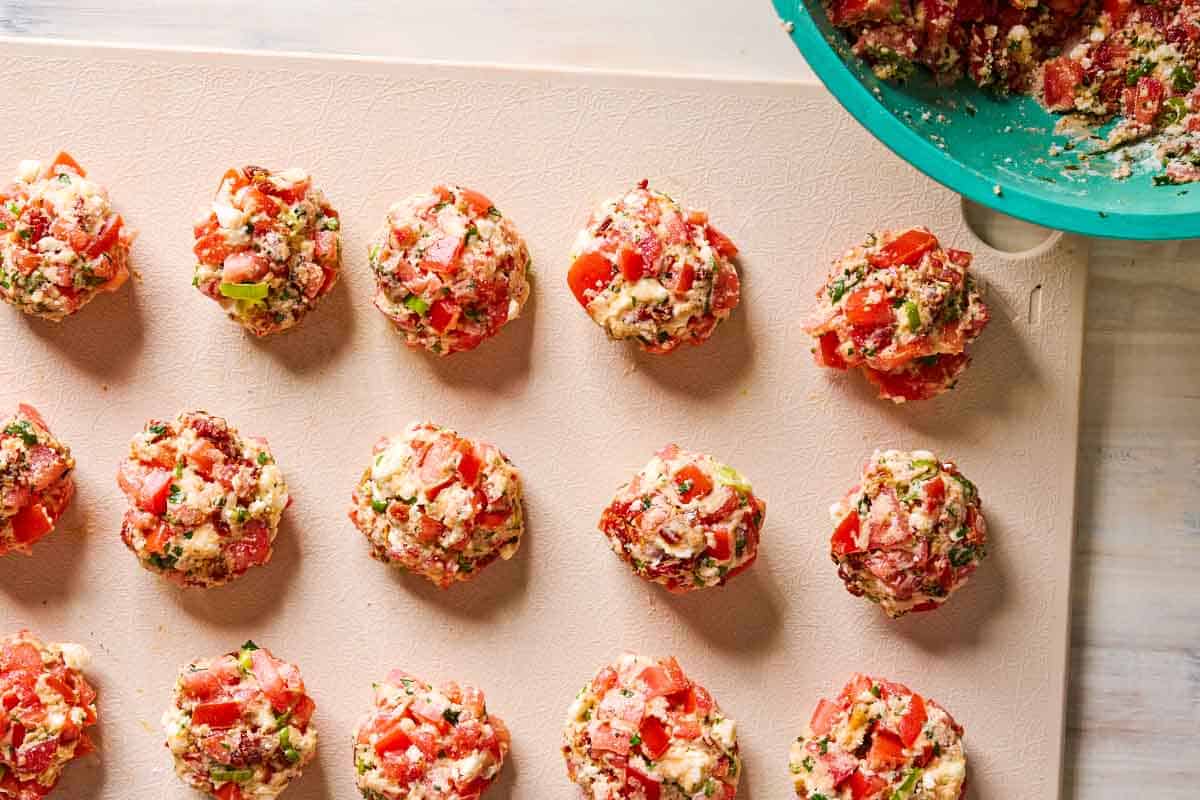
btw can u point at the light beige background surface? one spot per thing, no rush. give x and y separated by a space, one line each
781 170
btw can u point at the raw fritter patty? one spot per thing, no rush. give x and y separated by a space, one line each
645 268
904 310
45 706
239 725
269 250
641 730
879 741
686 521
450 269
438 504
36 482
61 243
910 534
421 743
204 502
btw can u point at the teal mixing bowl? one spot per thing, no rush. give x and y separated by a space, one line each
1000 152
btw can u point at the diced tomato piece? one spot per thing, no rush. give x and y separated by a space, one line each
845 536
251 550
590 272
443 314
302 712
468 464
423 708
203 685
605 679
1148 100
828 354
19 656
244 267
64 160
294 193
662 682
30 413
685 279
631 264
720 242
477 202
634 780
326 248
35 758
1118 10
442 256
698 700
203 455
228 791
722 546
727 290
865 787
270 681
212 249
108 235
152 492
431 529
157 538
907 248
443 194
31 523
1060 78
822 717
935 494
393 739
655 740
610 739
223 714
887 751
868 307
691 482
45 467
912 722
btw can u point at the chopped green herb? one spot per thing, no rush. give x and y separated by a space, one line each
24 430
416 304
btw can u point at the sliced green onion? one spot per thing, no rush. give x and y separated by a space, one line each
728 476
244 291
224 775
379 506
912 314
414 303
285 744
905 789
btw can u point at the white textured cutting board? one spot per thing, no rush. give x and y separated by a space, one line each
781 169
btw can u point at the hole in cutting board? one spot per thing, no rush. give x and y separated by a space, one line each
1002 232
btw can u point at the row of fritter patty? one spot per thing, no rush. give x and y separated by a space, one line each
205 503
240 727
451 270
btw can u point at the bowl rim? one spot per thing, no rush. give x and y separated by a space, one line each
943 168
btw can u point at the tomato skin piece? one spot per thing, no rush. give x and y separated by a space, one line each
686 279
698 484
202 685
19 656
228 791
655 740
912 722
591 271
634 779
469 463
222 714
844 540
822 717
907 248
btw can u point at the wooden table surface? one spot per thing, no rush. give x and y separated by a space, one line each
1134 700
